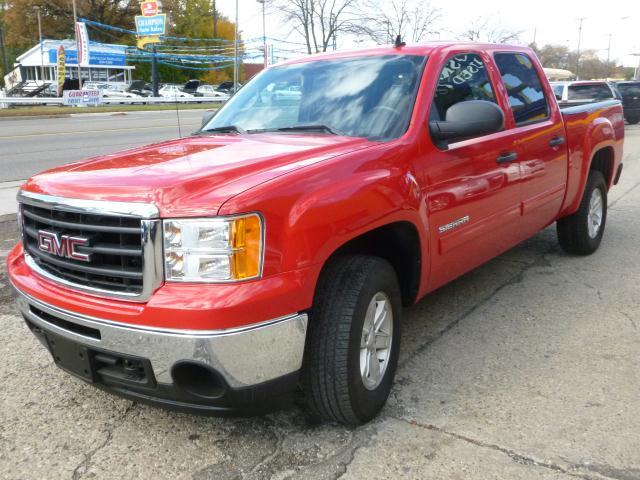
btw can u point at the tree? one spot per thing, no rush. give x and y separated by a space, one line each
412 20
484 30
320 21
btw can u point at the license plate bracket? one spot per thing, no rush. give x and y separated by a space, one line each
71 356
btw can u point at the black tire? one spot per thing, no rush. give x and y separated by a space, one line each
332 383
633 120
573 230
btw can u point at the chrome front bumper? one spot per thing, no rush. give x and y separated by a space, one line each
243 356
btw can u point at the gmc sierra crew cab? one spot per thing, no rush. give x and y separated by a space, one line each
271 253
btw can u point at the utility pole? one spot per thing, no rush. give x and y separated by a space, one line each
215 20
608 68
75 30
3 47
154 71
41 46
235 51
264 32
581 19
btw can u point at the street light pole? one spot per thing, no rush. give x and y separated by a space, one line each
75 34
608 68
235 59
581 19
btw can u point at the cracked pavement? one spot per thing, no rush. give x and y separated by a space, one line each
527 367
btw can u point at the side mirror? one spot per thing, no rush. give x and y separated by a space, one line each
207 117
559 97
468 119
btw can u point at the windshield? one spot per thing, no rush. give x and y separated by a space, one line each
362 97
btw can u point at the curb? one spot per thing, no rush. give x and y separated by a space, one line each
7 218
35 117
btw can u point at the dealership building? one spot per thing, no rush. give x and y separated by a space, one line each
37 66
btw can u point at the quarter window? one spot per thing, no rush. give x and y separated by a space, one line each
463 77
526 95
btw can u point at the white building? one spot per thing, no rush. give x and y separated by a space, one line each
37 66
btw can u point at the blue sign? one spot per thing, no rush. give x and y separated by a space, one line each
96 58
153 25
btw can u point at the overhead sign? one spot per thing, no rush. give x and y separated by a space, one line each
82 97
153 25
149 9
61 70
82 40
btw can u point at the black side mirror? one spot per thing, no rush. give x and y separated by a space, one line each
468 119
207 117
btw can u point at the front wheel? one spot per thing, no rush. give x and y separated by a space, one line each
581 233
353 340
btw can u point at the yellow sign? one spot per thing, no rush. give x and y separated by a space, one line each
61 69
142 41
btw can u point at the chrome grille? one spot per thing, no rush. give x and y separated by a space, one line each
123 259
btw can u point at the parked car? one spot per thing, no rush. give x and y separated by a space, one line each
139 87
191 86
173 91
630 92
227 87
210 91
273 251
581 92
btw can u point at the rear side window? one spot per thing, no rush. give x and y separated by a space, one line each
598 91
557 90
463 77
524 87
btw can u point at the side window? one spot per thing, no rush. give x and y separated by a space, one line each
463 77
526 95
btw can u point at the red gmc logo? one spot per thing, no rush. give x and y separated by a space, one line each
62 245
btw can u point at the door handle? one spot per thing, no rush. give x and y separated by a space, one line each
556 141
507 157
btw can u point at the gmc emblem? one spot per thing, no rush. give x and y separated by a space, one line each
62 245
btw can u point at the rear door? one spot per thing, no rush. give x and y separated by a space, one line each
472 187
541 148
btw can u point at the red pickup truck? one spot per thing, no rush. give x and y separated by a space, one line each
271 253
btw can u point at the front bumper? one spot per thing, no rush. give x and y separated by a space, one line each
248 365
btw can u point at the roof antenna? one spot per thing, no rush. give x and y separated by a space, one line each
399 43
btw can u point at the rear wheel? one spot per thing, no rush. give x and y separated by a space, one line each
353 340
581 233
633 120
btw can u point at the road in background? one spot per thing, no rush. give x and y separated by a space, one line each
31 145
525 368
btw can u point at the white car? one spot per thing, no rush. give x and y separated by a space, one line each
210 91
173 91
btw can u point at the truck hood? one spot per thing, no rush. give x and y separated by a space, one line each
191 176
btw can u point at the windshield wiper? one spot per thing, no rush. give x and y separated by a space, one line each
300 128
225 129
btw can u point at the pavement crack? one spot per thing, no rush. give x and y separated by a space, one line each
540 260
513 455
84 465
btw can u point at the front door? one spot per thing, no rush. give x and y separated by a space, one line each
472 186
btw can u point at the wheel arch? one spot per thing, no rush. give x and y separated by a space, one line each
397 242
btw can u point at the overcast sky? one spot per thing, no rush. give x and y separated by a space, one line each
553 22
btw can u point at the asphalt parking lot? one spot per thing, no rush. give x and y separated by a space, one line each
528 367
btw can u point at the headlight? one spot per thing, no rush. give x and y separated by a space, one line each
214 249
